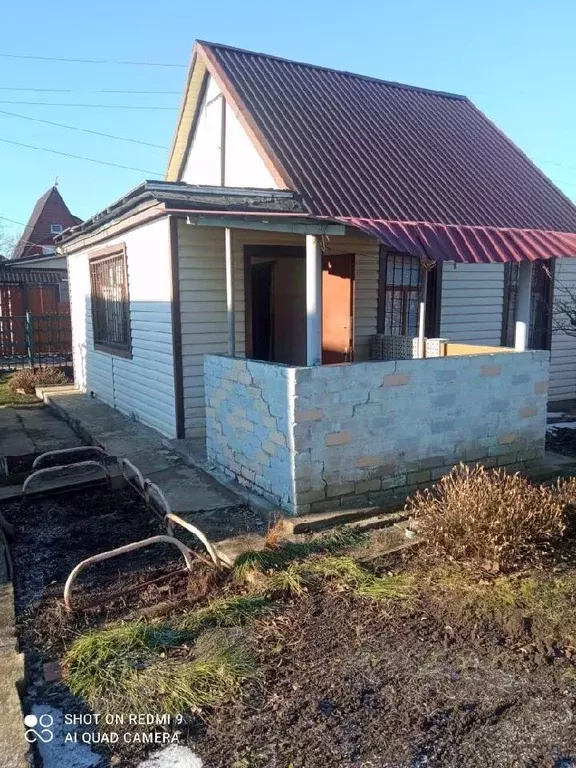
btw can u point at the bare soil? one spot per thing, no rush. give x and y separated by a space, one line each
352 683
346 681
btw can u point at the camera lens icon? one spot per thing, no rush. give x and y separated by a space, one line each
39 728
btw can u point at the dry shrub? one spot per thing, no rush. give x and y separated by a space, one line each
276 531
488 517
28 379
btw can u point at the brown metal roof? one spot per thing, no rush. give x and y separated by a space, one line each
49 209
359 147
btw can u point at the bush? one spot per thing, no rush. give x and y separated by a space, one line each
488 517
28 379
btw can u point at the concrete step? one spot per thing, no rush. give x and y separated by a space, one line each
383 520
322 521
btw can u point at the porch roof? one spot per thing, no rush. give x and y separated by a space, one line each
470 244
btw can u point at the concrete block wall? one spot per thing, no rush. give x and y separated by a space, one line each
317 439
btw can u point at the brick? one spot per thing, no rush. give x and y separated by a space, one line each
423 476
432 462
508 438
368 485
324 506
313 414
528 412
341 489
541 387
490 370
396 380
338 438
369 461
309 497
277 437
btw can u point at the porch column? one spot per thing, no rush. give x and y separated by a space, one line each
313 300
523 306
422 314
230 292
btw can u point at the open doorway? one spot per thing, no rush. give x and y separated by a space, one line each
275 285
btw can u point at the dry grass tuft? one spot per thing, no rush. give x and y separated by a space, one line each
488 517
28 379
275 532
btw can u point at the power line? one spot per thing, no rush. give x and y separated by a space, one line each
5 218
560 165
92 61
80 157
84 130
95 106
82 90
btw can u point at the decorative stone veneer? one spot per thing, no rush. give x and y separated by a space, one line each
316 439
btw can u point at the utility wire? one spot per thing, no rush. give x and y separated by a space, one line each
92 61
5 218
84 130
80 157
96 106
81 90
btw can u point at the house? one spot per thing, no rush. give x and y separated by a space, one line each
343 286
34 309
50 217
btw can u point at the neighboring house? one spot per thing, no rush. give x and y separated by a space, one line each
312 217
34 290
49 218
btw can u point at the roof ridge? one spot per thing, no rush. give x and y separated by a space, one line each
356 75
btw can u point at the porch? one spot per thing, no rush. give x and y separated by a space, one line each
320 438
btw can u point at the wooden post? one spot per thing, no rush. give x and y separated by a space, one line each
523 306
313 300
230 293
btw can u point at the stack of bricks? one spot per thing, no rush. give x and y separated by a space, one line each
330 437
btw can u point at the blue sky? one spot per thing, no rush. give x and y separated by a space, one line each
513 58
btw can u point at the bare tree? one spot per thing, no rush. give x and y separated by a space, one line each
7 243
564 303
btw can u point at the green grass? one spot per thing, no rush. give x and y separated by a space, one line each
7 397
129 667
134 680
279 558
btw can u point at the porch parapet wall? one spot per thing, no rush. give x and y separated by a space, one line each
318 438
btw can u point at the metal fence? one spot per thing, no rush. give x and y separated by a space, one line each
35 341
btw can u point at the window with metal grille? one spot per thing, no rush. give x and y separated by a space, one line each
401 282
110 301
539 333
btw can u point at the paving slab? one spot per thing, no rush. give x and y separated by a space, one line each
33 430
13 745
187 488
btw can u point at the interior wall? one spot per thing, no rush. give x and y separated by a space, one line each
289 308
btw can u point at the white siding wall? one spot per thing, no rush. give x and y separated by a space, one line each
563 354
203 300
142 386
202 165
472 302
243 165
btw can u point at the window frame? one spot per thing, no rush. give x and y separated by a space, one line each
433 298
56 231
123 349
541 304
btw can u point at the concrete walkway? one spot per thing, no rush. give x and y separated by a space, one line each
33 430
187 489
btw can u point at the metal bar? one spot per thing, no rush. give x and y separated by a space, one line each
523 306
230 292
313 300
186 553
422 315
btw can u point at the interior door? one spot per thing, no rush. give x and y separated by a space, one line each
337 308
